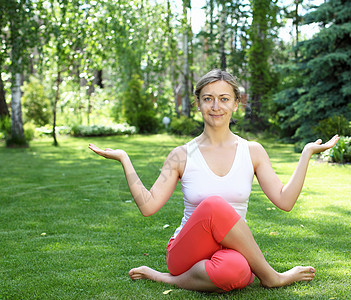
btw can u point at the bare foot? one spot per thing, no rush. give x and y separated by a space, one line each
144 272
294 275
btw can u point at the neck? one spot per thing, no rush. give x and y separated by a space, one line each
216 136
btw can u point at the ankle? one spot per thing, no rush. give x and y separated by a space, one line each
275 280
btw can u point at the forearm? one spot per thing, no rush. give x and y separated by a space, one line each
291 191
140 194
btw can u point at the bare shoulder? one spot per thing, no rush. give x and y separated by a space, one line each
176 159
255 147
178 153
257 153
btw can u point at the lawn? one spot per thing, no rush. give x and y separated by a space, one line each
69 230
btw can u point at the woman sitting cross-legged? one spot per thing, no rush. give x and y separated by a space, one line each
213 248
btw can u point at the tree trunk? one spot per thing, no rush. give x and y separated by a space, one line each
57 97
17 133
222 37
186 69
296 26
4 111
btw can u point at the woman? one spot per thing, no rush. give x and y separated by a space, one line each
213 248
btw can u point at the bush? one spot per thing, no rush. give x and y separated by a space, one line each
47 130
341 153
29 131
5 127
101 130
35 102
333 125
139 107
147 122
185 126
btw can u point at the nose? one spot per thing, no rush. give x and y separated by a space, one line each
215 104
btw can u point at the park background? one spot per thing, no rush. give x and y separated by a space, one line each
108 72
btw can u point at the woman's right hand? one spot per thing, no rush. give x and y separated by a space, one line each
117 154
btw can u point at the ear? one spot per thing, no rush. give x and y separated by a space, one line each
236 105
197 101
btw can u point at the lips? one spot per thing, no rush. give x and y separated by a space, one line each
216 116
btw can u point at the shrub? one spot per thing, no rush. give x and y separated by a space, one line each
101 130
29 131
35 102
341 153
333 125
5 127
185 126
139 107
147 122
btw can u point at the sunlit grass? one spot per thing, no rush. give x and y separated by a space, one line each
68 228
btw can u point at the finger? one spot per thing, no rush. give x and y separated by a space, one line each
319 141
108 149
332 142
92 146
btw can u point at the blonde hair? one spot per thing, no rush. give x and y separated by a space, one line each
216 75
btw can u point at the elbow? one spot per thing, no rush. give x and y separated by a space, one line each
287 209
147 212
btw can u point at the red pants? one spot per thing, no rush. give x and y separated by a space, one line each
200 239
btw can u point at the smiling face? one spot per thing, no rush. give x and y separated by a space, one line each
217 102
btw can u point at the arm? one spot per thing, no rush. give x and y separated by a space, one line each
284 196
148 201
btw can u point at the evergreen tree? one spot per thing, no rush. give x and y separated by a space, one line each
322 87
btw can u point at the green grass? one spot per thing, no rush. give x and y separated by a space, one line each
94 235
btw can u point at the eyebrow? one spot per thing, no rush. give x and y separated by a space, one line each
208 94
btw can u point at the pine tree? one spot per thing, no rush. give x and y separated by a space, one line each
323 86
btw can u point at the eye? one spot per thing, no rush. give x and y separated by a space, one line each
207 99
224 99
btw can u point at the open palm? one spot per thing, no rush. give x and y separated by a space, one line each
318 147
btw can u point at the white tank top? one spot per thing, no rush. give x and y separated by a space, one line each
199 182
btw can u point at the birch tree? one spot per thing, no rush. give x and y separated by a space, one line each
20 36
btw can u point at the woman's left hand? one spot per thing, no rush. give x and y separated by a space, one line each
317 146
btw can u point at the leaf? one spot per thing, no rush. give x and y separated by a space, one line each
167 292
165 226
273 233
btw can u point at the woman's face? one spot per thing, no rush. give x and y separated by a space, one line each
217 103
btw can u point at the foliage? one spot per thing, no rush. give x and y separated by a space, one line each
139 108
185 126
46 131
261 78
322 85
29 131
35 102
341 153
5 126
102 130
333 125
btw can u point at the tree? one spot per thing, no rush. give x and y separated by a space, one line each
323 88
292 12
63 40
21 36
262 31
187 53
